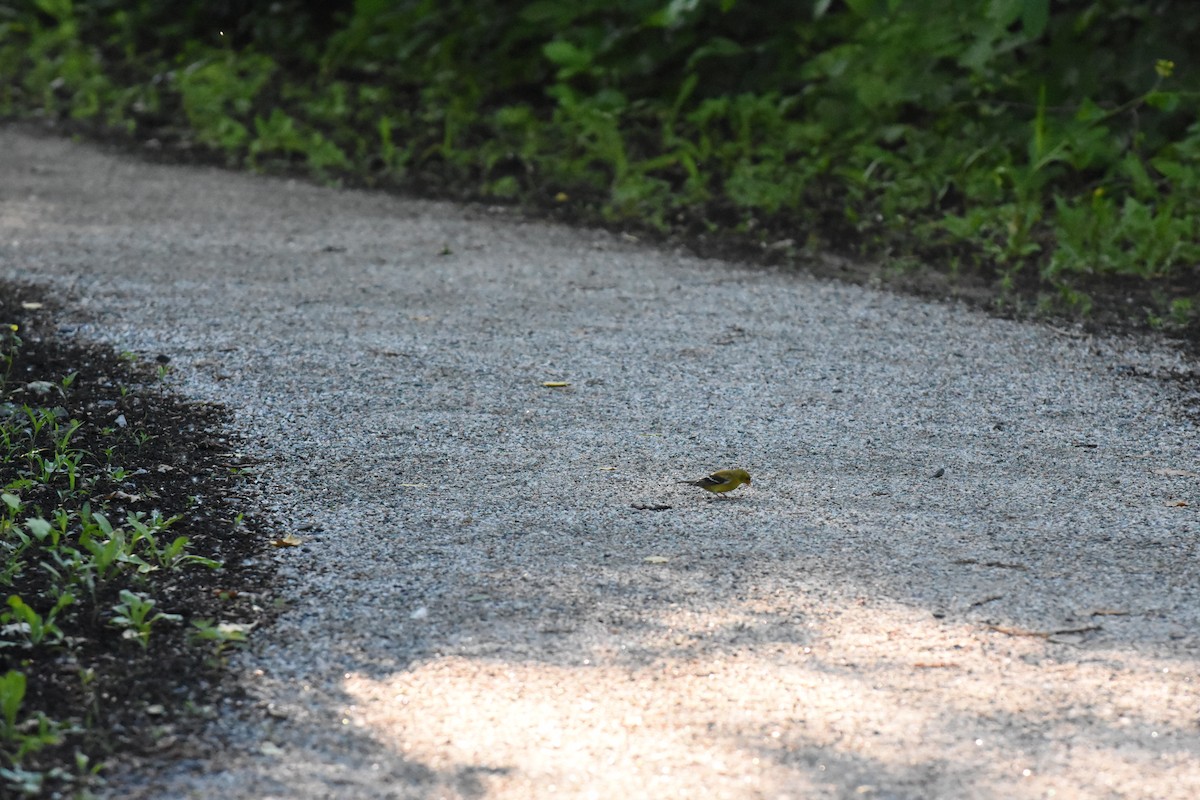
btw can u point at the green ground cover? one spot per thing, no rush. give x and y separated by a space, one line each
125 568
1051 150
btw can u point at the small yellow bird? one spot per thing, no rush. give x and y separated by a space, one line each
723 480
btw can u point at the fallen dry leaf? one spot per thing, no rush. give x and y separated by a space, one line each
287 540
656 559
555 384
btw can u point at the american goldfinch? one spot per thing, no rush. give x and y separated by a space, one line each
723 480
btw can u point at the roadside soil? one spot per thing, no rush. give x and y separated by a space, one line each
179 458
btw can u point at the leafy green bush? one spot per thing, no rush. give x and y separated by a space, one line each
1053 141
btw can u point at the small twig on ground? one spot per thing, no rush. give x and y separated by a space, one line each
1041 634
997 564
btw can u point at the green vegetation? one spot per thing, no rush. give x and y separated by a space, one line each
93 573
1050 148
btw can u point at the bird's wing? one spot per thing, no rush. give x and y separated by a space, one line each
711 480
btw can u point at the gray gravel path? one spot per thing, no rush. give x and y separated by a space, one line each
478 610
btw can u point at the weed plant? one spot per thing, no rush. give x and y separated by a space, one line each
100 583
